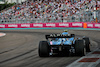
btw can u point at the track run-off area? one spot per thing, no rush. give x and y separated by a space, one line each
19 48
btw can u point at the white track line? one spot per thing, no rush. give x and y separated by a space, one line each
86 64
2 34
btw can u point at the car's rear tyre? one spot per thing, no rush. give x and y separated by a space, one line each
87 44
80 49
43 49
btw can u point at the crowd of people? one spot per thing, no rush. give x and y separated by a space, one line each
50 9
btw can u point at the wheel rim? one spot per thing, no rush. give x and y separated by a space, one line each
84 51
89 46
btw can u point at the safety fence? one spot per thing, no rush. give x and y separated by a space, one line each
53 25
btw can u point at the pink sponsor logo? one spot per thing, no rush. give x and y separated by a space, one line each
25 25
63 24
96 25
50 25
2 26
37 25
74 24
90 25
12 25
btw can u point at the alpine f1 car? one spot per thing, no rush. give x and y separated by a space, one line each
65 44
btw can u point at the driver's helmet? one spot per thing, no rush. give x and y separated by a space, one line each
65 32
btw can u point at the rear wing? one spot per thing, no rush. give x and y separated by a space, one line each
59 36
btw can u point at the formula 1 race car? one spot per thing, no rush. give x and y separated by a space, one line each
64 44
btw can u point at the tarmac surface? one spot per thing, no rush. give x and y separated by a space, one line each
19 48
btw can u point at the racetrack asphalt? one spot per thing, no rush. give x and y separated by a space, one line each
19 48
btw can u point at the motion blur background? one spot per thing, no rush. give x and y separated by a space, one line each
44 11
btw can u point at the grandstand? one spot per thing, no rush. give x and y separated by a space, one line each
12 1
37 11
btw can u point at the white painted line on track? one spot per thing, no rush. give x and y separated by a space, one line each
2 34
86 64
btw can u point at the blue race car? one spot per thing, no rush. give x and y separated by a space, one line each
63 44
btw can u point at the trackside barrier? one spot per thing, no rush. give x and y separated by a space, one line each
52 25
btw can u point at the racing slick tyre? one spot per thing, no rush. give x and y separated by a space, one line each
43 49
80 49
87 44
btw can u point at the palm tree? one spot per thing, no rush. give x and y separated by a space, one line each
17 1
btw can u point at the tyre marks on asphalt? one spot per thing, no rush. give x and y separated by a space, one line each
10 43
17 56
21 50
26 55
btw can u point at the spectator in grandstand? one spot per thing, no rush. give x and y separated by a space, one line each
49 9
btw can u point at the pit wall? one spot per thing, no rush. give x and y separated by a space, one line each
52 25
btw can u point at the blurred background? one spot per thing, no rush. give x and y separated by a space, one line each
48 11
